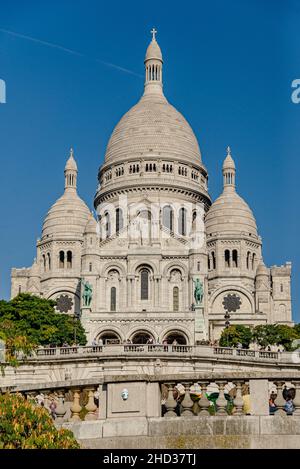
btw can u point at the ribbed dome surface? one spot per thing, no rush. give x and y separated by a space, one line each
68 215
153 125
230 213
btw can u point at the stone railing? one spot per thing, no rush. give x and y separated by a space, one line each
71 404
187 398
152 350
222 397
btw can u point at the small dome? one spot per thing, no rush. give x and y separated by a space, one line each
91 225
153 51
68 216
230 213
71 163
262 269
228 162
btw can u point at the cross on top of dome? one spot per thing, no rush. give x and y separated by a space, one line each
153 32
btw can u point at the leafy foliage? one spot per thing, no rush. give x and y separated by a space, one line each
263 335
23 425
27 321
236 334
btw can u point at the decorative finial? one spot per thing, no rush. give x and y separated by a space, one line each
153 32
71 152
228 151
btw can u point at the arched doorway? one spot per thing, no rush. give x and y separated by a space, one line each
142 337
109 338
176 337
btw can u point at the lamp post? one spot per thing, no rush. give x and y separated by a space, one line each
231 303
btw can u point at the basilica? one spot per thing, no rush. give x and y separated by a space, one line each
160 261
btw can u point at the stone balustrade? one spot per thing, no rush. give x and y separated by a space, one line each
184 399
161 349
222 397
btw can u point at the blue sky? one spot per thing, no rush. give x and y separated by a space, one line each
228 67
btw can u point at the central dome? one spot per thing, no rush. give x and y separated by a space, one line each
153 125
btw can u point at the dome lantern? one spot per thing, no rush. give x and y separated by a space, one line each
153 67
71 173
229 171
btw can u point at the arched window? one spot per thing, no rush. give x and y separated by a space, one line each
227 258
61 259
248 259
69 259
175 338
213 256
113 299
44 262
281 287
253 261
107 224
90 267
234 258
142 337
168 218
109 337
144 284
208 262
198 266
49 260
119 219
182 222
175 299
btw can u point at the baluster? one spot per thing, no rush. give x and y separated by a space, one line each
91 406
297 398
221 401
204 403
60 409
238 400
187 402
280 401
75 407
170 402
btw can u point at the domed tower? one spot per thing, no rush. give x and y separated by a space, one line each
151 200
57 271
234 252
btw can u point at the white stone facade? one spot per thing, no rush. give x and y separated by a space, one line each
157 232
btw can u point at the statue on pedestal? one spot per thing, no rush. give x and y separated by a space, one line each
87 294
198 291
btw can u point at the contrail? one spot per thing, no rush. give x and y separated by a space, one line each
69 51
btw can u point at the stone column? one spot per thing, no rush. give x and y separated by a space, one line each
238 401
170 403
91 406
187 402
204 403
75 407
221 401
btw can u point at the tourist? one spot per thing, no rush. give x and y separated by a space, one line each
289 406
272 406
174 342
53 409
100 342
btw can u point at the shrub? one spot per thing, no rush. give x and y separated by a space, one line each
24 425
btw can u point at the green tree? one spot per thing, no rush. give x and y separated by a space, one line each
35 319
279 334
233 335
24 425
